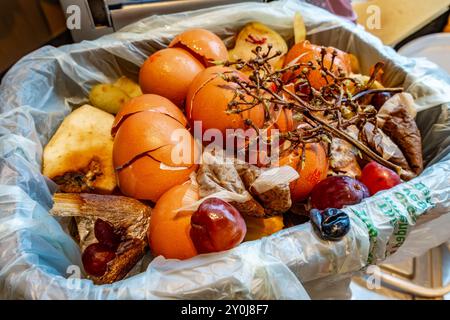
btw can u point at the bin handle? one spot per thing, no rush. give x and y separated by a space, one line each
412 288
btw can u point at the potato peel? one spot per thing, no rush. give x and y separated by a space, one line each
257 34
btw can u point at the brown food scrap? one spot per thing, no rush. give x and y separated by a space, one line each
276 200
80 181
128 254
128 215
343 159
344 155
297 214
122 212
78 157
376 139
401 127
214 178
247 172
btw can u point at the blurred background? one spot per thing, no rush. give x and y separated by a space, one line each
415 28
400 21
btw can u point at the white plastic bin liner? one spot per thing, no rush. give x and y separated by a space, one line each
38 260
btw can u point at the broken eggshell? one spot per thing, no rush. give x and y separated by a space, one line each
203 44
153 151
148 102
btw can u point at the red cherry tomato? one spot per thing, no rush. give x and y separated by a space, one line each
377 177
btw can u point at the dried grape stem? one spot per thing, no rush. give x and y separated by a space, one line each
266 88
344 135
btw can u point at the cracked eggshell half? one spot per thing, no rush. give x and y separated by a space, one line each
203 44
152 153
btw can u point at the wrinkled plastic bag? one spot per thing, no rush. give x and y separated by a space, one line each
38 260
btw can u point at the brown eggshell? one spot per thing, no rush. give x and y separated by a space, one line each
203 43
304 52
168 73
140 133
313 171
144 153
169 231
284 120
144 179
208 98
148 102
199 81
284 116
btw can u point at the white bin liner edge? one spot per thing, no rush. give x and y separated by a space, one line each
38 260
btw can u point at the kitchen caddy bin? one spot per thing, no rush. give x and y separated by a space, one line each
38 259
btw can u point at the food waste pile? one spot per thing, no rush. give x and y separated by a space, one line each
213 146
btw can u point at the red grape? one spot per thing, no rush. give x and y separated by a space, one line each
216 226
105 234
377 177
96 257
337 191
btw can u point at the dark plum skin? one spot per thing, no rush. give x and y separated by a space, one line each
377 177
330 224
96 257
105 234
216 226
338 191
